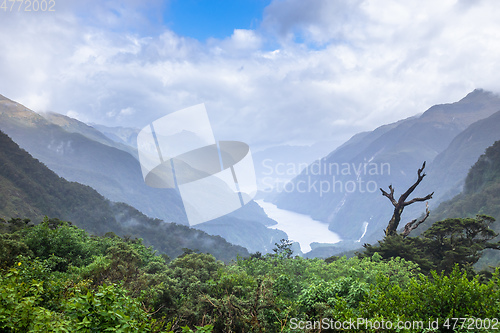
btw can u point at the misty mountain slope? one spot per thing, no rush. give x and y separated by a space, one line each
350 199
245 226
28 189
276 165
481 193
252 211
112 172
343 154
75 126
123 135
451 166
361 141
237 231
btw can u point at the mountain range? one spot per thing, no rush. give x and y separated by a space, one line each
450 137
74 154
28 189
341 189
107 161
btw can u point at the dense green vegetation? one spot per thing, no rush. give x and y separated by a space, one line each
446 244
481 194
57 278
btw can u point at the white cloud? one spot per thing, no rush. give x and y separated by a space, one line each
127 111
313 70
75 115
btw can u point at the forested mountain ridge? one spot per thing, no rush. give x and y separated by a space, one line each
28 189
62 280
481 193
485 172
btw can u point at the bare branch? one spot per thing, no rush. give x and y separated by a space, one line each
390 196
427 197
399 206
410 226
421 176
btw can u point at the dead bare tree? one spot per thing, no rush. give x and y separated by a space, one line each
402 203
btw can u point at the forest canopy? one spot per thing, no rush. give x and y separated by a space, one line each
56 277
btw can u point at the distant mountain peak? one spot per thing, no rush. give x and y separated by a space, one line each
478 92
478 95
18 112
478 104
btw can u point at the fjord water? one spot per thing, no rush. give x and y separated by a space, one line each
299 227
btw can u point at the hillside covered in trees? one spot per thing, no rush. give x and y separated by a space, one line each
481 193
57 278
28 189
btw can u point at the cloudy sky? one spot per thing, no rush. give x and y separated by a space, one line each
269 71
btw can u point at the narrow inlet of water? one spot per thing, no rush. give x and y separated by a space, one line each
299 227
